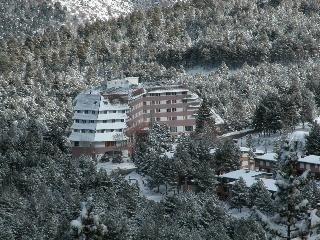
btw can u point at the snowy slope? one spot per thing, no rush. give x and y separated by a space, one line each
106 9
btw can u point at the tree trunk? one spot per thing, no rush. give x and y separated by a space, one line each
158 188
288 232
166 189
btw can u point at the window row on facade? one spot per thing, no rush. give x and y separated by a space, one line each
166 94
100 112
98 121
97 131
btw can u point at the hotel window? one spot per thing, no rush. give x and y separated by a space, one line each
83 130
123 111
152 102
114 111
174 109
188 128
168 102
144 111
174 101
104 121
113 120
157 102
78 111
76 144
173 129
122 120
75 130
184 92
77 121
105 112
91 121
83 121
93 112
144 103
86 112
267 164
174 93
119 130
158 110
158 119
168 109
168 93
307 166
173 118
301 165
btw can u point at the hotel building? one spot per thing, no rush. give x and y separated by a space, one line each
174 105
105 120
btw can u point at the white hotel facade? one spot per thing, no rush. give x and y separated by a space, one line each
99 120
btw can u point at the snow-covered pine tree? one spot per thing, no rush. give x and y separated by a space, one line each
312 193
260 197
87 225
291 218
313 140
159 138
247 229
239 195
226 157
204 116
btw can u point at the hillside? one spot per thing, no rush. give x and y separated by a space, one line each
106 9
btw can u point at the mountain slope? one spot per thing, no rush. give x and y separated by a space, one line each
106 9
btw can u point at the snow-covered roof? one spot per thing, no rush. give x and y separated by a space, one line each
250 177
313 159
94 101
241 173
168 90
268 157
246 149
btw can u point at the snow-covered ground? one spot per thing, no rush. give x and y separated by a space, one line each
266 143
106 9
135 178
200 70
245 212
109 166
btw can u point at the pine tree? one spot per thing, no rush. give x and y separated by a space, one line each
248 229
313 140
204 116
87 225
226 157
312 193
239 195
260 197
290 204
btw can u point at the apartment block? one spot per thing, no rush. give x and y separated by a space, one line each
174 105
